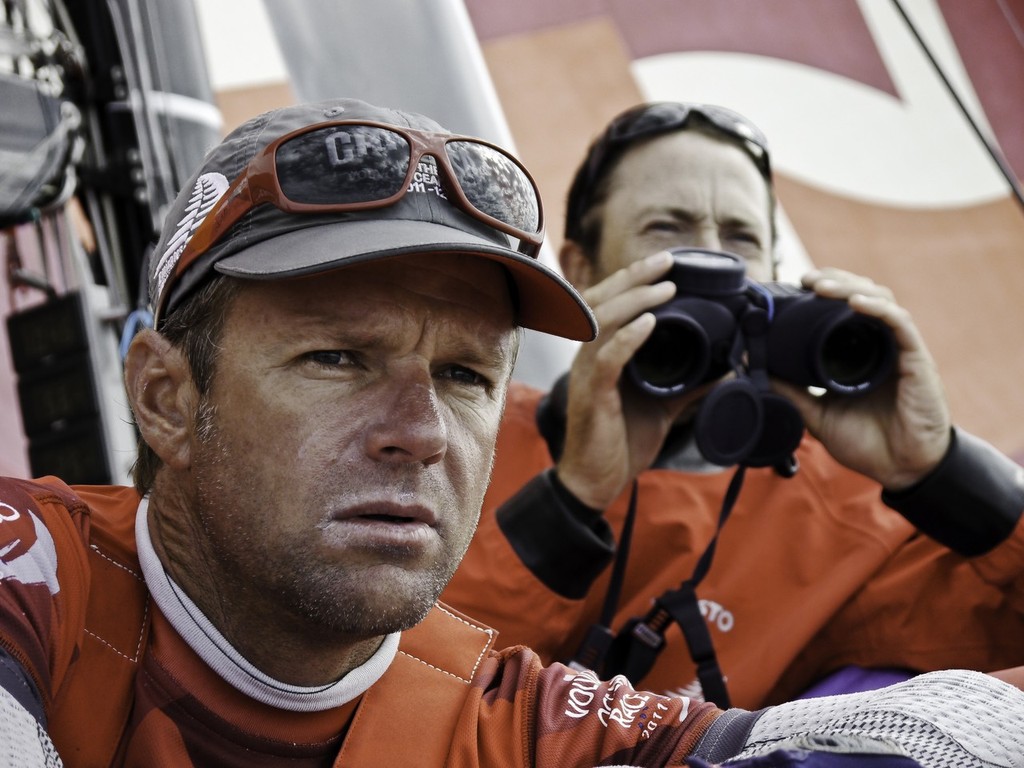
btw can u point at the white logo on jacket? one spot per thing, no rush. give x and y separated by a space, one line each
616 702
36 565
717 615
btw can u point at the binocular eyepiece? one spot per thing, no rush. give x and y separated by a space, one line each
805 339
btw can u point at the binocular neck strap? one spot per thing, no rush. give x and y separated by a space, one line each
594 648
633 651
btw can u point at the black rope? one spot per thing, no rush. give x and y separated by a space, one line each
993 152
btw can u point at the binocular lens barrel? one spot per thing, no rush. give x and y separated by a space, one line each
673 359
853 354
689 345
820 342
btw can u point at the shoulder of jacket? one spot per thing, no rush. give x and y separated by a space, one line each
40 492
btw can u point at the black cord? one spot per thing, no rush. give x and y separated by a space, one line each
594 648
993 152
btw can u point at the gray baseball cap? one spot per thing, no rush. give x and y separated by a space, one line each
424 217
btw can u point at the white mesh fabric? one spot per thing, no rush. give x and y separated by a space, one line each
952 718
23 742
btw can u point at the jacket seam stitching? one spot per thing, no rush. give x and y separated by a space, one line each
438 669
479 658
145 612
112 561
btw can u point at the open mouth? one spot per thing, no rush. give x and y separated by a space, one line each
389 518
399 515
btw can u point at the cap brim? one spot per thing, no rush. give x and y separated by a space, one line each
547 302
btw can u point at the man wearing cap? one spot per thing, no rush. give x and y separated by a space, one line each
895 548
337 296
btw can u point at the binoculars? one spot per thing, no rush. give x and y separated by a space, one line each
718 316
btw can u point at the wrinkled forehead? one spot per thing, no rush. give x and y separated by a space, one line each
695 151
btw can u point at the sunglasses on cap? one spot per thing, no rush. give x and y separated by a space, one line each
348 165
649 120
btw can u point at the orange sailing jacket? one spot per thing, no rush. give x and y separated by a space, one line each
811 573
120 687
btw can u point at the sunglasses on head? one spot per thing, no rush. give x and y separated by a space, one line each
649 120
345 166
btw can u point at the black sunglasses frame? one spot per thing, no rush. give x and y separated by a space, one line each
648 120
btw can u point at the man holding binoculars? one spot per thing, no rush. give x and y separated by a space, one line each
726 532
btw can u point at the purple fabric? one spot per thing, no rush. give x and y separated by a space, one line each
855 679
798 758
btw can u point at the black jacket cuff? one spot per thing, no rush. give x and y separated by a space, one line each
971 502
563 542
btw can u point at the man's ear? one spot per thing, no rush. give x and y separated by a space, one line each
576 266
162 396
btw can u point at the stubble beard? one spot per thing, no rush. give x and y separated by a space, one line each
326 602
